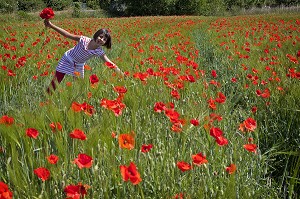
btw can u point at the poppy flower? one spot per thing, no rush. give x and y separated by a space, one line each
55 126
76 191
31 132
110 65
221 98
250 147
42 173
159 107
199 159
212 104
126 141
83 161
6 120
250 124
221 141
179 196
78 134
94 79
76 107
216 132
116 106
130 173
231 168
5 193
52 159
120 89
146 148
47 13
214 73
194 122
184 166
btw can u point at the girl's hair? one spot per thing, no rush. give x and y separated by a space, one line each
107 35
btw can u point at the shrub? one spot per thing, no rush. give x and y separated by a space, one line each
30 5
76 10
8 7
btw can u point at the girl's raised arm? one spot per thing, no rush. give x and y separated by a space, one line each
61 31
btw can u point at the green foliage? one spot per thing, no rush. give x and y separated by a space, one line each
8 6
30 5
93 4
76 10
58 4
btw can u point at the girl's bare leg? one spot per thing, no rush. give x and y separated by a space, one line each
58 77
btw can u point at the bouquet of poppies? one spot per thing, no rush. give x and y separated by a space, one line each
47 13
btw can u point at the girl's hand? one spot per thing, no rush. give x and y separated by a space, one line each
47 23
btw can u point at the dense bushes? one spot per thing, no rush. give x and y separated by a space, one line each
32 5
148 7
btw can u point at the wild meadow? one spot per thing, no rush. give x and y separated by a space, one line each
208 108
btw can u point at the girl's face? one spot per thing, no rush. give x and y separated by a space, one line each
101 39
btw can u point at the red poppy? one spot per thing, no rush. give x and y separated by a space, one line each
120 89
250 124
31 132
42 173
52 159
110 65
194 122
146 148
184 166
231 168
76 107
179 196
214 73
159 107
216 132
251 147
55 126
76 191
6 120
47 13
175 94
211 103
199 159
126 141
221 98
5 193
221 141
94 79
114 105
83 161
78 134
130 173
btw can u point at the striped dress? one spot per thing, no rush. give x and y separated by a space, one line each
74 59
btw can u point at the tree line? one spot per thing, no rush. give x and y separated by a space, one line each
147 7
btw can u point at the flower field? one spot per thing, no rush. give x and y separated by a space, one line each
208 108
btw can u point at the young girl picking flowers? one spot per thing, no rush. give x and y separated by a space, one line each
73 60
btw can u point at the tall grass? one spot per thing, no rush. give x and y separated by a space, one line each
141 43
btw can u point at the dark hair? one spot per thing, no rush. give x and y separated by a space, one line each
107 35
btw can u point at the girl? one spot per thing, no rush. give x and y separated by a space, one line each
73 60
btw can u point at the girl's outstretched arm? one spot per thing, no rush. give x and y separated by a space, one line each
61 31
116 68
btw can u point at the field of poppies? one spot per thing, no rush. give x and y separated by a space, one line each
208 108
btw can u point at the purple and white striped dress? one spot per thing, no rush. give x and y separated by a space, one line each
74 59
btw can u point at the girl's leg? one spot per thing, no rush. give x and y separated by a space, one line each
57 77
